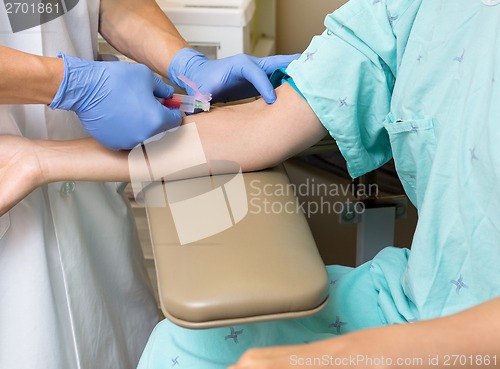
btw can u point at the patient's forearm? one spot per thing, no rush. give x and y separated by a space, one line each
439 342
468 339
258 135
81 160
254 135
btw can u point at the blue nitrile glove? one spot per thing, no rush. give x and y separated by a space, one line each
228 79
115 101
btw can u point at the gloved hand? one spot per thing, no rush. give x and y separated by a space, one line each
115 101
228 79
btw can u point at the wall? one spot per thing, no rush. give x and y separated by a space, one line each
299 20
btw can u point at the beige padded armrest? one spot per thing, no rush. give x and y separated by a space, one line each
265 267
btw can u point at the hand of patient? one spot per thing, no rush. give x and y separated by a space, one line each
20 170
361 349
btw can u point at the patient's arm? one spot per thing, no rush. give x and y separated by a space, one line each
255 135
437 343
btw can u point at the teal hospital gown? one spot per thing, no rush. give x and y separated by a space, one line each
417 80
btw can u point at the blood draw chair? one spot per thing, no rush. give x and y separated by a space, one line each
265 264
264 267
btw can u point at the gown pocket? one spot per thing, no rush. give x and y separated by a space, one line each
4 224
413 144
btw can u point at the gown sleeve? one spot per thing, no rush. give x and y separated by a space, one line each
348 73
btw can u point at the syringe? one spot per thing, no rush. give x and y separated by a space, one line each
185 103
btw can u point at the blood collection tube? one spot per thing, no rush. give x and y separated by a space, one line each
185 103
